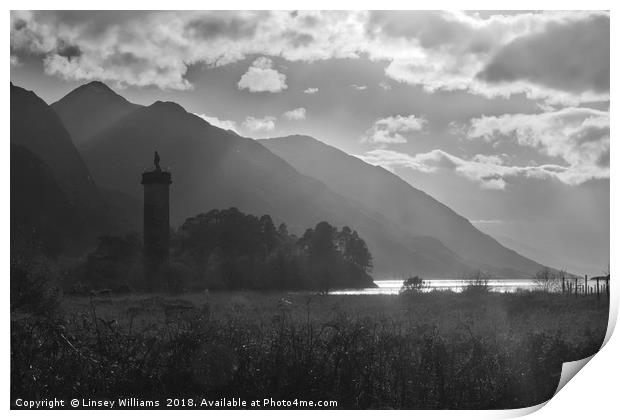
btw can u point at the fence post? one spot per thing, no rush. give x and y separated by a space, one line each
563 285
607 286
576 286
585 284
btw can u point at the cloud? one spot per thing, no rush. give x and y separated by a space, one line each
295 114
572 57
490 172
225 124
262 77
311 91
385 86
225 24
388 130
455 51
359 87
266 123
554 57
578 136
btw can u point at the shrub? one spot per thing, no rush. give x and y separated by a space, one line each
34 286
478 283
412 285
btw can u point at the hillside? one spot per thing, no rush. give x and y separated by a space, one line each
297 180
414 211
89 109
214 168
52 189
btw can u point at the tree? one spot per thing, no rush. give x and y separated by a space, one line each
478 283
546 278
115 264
230 249
268 232
322 242
354 249
412 285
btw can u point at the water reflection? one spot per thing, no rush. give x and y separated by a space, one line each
392 287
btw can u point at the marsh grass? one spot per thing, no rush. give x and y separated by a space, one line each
428 350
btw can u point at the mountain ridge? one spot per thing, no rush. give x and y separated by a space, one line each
216 168
387 194
58 181
90 108
213 168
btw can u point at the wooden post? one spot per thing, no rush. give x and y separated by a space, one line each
563 285
598 290
576 286
585 284
607 286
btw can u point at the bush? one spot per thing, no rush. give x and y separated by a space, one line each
478 283
178 277
34 286
116 264
412 285
363 351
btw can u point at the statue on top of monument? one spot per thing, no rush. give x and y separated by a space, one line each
156 161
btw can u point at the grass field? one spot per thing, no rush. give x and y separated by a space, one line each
431 350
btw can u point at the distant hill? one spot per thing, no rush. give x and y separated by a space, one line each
413 211
90 108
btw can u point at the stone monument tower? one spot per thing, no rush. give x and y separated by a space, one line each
156 224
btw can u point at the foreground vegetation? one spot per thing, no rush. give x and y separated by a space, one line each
419 350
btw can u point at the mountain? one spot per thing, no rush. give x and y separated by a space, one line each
415 212
214 168
90 108
42 217
50 183
38 128
297 180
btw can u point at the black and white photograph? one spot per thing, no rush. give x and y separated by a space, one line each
306 209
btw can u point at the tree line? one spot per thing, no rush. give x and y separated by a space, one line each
228 249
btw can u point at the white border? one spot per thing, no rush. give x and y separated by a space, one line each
592 394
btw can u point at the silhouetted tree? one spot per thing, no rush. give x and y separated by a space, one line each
230 249
116 264
354 249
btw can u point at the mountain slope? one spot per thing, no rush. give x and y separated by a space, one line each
42 217
36 126
90 108
51 187
414 211
214 168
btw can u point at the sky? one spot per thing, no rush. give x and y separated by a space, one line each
503 116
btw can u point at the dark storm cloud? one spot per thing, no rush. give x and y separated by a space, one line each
222 24
573 57
603 160
95 22
19 24
68 51
298 39
430 28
